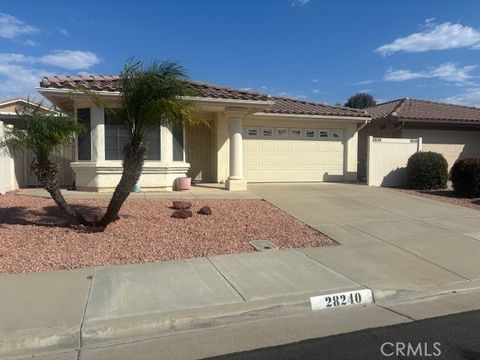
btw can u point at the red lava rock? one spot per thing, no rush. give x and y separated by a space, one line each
447 196
179 205
205 210
182 214
35 236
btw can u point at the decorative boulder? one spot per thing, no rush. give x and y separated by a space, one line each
182 214
205 211
179 205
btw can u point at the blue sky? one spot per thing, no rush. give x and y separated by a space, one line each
310 49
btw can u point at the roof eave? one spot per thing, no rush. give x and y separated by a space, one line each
439 121
54 95
359 119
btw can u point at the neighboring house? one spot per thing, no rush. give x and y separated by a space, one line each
23 173
452 130
249 137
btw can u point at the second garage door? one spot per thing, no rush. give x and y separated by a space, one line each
293 154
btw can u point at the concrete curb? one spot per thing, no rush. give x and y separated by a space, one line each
109 332
143 327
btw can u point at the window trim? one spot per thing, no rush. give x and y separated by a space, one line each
271 130
310 130
319 131
247 132
287 133
340 138
296 136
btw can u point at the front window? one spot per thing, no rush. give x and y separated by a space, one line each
85 139
177 144
117 135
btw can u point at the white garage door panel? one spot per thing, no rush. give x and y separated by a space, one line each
453 145
277 160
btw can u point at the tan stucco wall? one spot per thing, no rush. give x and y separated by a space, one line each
452 144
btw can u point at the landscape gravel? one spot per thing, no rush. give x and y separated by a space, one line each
36 236
447 196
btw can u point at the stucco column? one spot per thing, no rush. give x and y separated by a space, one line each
351 153
97 115
236 180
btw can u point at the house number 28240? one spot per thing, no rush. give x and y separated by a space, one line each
342 300
328 301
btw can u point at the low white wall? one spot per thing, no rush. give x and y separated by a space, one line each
387 160
8 180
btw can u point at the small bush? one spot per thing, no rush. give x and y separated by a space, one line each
427 170
465 176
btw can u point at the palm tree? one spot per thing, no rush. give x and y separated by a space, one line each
45 133
151 95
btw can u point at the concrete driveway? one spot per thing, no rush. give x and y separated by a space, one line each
388 239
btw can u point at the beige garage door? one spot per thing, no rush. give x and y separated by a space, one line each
453 145
293 154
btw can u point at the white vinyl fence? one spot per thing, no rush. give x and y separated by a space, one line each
387 160
8 180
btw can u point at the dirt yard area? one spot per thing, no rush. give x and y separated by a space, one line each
447 196
35 236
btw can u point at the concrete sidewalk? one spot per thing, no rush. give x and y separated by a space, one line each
60 310
192 308
200 192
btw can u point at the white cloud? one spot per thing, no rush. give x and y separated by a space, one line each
316 91
435 37
364 82
469 97
64 32
315 80
12 27
17 79
448 72
299 2
29 42
20 74
70 59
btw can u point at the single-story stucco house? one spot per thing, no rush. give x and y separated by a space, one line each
249 137
452 130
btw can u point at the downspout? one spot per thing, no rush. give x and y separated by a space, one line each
363 125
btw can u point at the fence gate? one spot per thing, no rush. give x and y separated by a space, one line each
387 160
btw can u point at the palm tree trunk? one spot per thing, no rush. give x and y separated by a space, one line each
46 172
132 169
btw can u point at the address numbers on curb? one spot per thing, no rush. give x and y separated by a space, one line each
331 301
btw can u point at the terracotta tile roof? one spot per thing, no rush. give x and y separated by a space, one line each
414 110
282 105
300 107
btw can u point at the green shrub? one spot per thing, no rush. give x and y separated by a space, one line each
427 170
465 176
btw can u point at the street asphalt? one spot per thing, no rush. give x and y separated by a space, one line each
447 338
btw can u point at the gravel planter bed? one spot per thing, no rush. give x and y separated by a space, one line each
34 236
447 196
